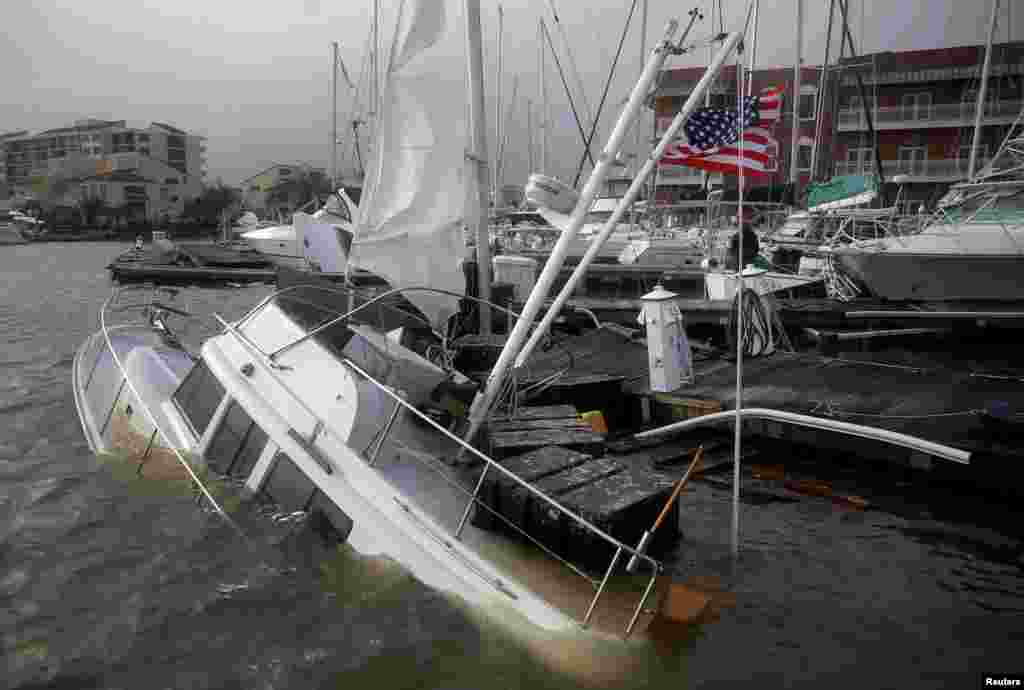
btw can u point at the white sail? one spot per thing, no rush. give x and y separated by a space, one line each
420 196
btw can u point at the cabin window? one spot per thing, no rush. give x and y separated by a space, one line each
236 445
198 397
328 520
287 486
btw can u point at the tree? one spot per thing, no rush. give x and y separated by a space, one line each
214 200
90 208
298 190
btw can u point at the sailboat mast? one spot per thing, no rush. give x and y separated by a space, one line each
979 109
478 155
375 71
794 174
542 61
529 130
498 119
819 110
643 58
334 117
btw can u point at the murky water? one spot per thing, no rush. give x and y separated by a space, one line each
110 581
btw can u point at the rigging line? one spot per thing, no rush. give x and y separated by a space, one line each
604 95
568 93
572 64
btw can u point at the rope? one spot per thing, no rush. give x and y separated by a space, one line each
763 331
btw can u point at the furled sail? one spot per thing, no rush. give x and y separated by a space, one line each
421 191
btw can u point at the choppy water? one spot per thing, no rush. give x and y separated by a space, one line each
111 582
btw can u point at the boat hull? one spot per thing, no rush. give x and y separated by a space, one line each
926 276
11 235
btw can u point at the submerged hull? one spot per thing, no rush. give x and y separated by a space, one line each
936 277
319 420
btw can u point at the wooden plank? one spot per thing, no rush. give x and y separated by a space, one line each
540 412
566 423
508 443
573 478
512 500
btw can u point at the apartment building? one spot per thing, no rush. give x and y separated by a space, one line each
155 169
923 105
256 189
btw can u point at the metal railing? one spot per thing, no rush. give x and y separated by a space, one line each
939 169
104 344
267 362
938 114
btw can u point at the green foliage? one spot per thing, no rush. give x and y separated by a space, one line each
298 190
214 200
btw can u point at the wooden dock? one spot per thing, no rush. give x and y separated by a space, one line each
191 263
976 413
621 494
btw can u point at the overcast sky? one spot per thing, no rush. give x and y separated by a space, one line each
254 78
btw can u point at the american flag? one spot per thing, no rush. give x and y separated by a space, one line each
712 137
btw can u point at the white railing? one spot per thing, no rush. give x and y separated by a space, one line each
935 115
941 169
267 360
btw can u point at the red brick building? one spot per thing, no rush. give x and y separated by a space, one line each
922 104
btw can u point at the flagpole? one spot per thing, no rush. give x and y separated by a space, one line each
737 440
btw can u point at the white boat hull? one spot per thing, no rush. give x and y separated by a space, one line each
945 277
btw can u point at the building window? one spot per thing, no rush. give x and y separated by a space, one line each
859 161
964 158
773 157
912 159
803 157
808 101
917 106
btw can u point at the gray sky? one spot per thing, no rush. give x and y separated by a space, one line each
254 78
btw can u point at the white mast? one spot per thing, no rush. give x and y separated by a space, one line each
498 119
529 131
543 101
478 131
334 118
794 175
979 109
500 163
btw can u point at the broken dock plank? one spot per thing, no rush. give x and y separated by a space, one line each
509 498
508 443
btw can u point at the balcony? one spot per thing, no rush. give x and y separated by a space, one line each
924 117
934 170
682 175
